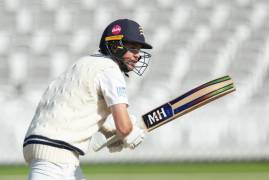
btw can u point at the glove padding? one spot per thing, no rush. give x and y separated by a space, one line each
131 141
135 137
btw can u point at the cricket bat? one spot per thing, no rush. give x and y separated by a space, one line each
181 105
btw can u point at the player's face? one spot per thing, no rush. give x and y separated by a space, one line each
132 56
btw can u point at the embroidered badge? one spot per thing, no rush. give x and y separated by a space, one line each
116 29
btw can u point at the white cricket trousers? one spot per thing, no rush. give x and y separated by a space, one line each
45 170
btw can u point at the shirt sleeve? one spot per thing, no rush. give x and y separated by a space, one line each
112 85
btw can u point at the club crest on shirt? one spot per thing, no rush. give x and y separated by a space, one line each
121 91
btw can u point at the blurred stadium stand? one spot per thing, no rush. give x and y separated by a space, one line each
194 41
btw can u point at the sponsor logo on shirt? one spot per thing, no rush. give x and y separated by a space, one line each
121 91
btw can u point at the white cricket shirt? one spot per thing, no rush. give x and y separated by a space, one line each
73 108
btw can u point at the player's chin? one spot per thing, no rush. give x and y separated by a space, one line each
130 67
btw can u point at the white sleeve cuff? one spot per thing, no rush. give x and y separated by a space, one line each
113 86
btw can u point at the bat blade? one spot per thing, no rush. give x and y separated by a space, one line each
187 102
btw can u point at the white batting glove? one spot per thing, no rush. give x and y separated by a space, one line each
131 141
135 137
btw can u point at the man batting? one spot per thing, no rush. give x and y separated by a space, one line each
90 96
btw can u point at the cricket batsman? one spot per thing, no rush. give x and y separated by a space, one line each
89 97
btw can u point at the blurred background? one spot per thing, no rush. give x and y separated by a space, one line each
194 41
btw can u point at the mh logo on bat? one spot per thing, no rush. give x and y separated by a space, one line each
157 115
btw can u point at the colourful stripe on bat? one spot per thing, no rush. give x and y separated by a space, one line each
219 80
203 98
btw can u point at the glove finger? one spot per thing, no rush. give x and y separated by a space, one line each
136 143
133 146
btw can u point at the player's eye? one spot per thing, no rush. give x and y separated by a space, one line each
135 51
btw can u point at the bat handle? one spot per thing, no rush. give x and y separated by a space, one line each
103 142
108 141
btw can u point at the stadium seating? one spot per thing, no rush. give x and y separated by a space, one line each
194 41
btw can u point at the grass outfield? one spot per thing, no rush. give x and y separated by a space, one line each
186 171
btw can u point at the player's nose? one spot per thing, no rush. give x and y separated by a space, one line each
137 56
